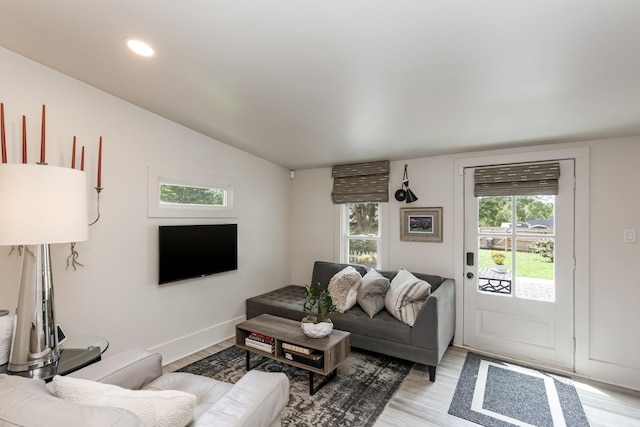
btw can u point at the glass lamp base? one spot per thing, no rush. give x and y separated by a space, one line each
35 341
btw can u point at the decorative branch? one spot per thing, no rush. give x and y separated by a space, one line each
72 260
16 248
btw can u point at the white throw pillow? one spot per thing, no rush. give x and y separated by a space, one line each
343 288
166 408
406 296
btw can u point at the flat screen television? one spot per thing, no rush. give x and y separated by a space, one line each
188 251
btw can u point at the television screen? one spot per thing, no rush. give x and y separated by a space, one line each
188 251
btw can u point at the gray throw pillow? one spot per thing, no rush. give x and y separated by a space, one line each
372 291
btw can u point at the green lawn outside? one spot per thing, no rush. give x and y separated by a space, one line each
529 265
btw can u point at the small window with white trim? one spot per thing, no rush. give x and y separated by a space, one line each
179 193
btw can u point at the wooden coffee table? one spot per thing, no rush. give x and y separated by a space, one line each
334 348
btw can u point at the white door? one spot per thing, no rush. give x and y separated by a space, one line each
523 308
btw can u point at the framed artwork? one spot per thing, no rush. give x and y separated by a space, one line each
421 224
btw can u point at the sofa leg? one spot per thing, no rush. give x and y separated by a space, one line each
432 373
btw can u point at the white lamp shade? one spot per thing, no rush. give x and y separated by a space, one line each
42 204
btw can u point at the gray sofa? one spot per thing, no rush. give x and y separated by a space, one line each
424 343
255 400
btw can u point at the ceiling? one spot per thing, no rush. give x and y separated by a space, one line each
314 83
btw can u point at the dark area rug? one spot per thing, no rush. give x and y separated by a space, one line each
494 393
355 397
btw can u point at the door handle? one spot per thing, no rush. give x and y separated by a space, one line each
469 275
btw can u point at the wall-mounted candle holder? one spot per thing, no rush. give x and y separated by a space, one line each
98 190
72 259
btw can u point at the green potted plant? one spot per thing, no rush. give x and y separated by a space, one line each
318 305
498 259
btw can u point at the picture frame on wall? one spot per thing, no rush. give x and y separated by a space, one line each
421 224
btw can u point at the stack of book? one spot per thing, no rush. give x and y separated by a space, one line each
260 342
303 355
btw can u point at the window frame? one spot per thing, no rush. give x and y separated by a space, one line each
343 237
157 176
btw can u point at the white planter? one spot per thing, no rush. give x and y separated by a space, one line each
317 330
499 268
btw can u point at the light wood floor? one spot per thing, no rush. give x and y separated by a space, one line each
419 402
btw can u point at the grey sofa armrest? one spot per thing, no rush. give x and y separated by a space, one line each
131 369
435 324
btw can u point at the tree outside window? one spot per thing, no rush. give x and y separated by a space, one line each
494 211
363 234
188 195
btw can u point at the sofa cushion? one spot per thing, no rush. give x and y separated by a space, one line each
343 288
372 291
285 302
406 296
27 402
383 326
206 390
168 408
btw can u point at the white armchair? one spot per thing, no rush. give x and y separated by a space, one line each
255 400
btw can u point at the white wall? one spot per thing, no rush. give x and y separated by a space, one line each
312 227
116 294
614 341
611 346
314 214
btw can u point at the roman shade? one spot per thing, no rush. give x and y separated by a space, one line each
361 183
517 180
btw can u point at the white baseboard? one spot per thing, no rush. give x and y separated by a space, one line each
192 343
611 373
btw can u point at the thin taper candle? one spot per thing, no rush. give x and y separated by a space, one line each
24 139
42 137
100 164
73 155
2 136
82 159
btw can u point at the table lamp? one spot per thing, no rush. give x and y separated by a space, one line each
39 205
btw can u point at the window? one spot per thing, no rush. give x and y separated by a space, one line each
361 234
522 255
181 194
185 194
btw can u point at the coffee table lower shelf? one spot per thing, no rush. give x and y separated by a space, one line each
312 389
334 348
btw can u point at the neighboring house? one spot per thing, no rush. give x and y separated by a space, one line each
539 227
518 225
540 223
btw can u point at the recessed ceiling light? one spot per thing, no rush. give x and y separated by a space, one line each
140 47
